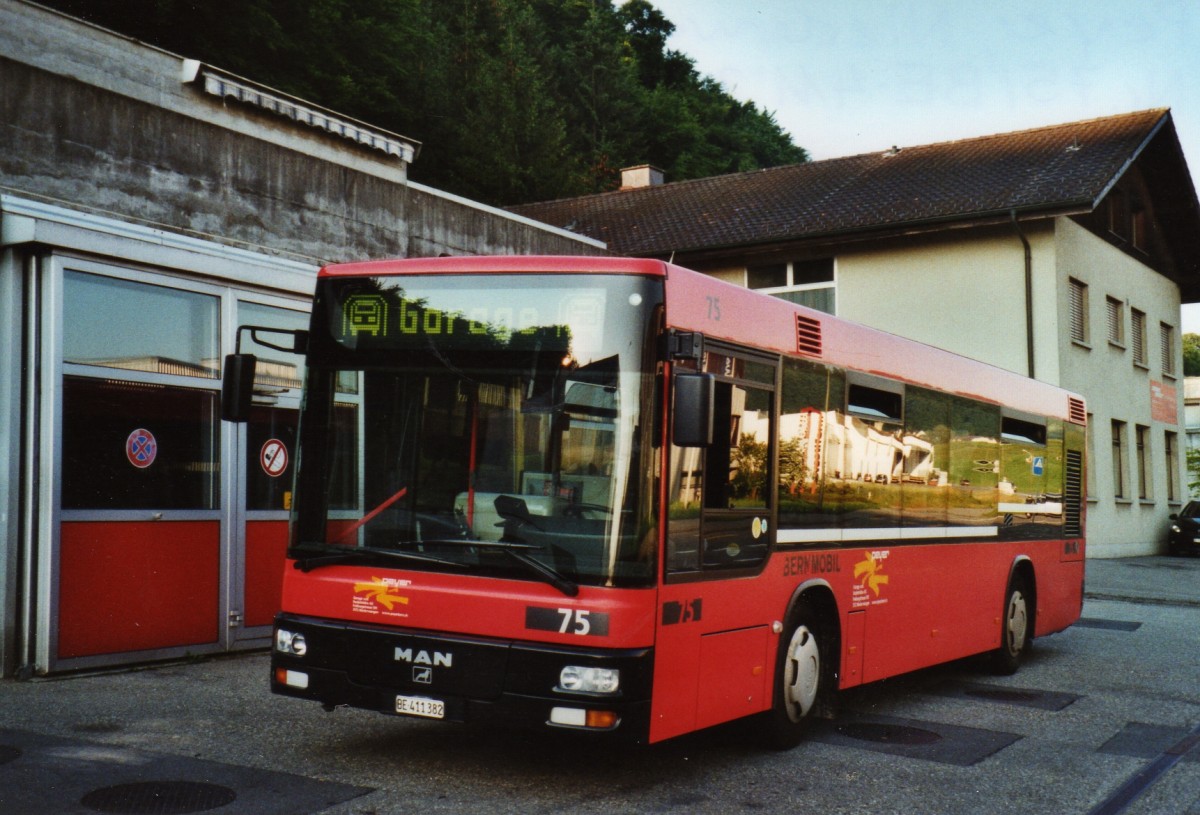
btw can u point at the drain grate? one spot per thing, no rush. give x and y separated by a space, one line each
8 754
912 738
889 733
1003 694
158 798
1027 697
1107 625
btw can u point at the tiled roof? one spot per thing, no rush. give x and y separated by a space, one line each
1066 167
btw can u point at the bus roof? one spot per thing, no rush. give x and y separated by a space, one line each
720 310
500 264
747 317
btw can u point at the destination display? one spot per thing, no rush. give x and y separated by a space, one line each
488 317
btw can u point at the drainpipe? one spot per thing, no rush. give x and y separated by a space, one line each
1028 294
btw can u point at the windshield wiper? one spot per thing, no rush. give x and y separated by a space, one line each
307 564
519 553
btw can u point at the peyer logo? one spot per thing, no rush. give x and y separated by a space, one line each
378 593
869 574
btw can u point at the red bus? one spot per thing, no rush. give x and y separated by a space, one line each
607 494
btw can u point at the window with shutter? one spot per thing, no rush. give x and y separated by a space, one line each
1166 338
1138 336
1079 311
1116 322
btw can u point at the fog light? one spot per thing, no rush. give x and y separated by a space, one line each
289 642
569 716
580 679
577 717
293 679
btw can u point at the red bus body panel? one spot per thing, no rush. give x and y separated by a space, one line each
936 603
473 606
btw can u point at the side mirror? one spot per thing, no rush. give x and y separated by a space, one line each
692 416
237 387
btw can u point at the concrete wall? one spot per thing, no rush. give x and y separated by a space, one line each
98 122
110 153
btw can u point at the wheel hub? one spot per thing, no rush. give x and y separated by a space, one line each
802 674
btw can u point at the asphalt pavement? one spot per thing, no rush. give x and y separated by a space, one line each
206 736
1156 579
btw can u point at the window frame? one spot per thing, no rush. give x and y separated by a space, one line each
1141 438
791 286
1138 224
1115 311
1118 459
1078 312
1137 337
1171 447
1166 347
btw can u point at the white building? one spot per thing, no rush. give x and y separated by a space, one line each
1063 253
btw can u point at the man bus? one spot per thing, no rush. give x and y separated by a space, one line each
604 494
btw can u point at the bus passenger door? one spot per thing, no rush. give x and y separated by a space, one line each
714 648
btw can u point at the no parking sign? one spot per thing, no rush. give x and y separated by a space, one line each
141 448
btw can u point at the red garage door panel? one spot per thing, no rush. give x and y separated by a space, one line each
137 586
266 545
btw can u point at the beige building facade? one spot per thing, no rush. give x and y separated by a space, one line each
1062 253
965 291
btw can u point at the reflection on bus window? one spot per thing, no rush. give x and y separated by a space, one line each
1030 499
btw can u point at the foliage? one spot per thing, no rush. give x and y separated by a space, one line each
1191 354
748 462
1193 469
513 100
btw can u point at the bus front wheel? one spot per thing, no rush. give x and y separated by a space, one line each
1014 630
800 680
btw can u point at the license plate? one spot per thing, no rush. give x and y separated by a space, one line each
420 706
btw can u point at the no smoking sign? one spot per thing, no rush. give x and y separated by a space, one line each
273 457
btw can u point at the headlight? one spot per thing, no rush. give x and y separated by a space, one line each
589 680
290 642
1175 528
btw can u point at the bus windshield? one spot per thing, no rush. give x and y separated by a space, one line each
481 424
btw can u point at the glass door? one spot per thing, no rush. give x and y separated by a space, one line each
265 458
139 558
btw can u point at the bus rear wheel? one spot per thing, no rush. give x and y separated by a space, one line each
800 680
1015 633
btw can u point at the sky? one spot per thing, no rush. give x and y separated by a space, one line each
853 76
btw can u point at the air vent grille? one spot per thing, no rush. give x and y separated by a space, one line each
1073 493
1077 410
808 335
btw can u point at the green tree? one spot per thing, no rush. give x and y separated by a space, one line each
1191 354
513 100
749 465
792 467
1193 468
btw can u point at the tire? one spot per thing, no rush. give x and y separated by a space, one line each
802 679
1016 632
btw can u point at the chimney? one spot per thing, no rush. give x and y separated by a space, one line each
643 175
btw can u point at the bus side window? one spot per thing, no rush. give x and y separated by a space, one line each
810 482
974 462
738 459
924 477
